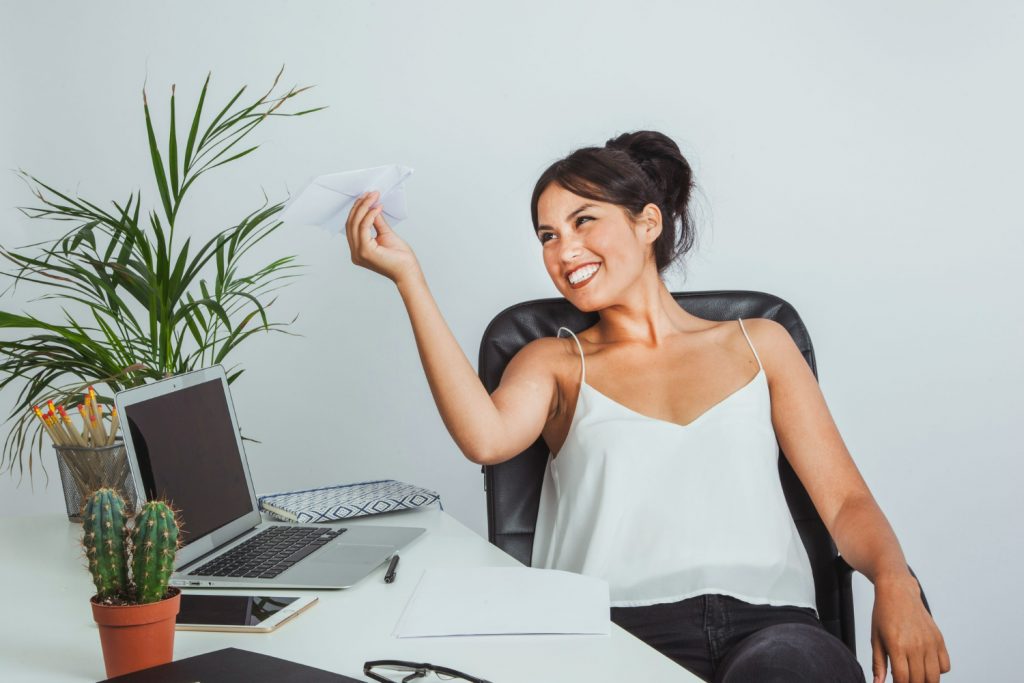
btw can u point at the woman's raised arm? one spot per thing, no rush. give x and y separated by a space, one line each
483 429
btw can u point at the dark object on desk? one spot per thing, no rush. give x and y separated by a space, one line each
232 665
513 487
389 576
395 670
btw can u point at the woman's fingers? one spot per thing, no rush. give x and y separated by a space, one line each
350 225
357 212
899 667
353 231
366 227
878 656
943 656
378 222
932 670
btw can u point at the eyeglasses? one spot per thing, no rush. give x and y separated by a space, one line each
388 670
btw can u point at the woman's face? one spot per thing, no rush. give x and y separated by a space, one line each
575 231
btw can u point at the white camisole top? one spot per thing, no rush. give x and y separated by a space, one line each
665 511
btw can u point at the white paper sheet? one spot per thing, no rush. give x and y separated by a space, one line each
327 200
494 600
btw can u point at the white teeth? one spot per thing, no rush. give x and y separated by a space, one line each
582 274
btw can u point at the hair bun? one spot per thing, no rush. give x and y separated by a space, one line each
644 145
660 159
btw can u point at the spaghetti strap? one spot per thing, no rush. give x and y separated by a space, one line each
760 367
583 379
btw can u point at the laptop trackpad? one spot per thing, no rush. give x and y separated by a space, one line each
368 555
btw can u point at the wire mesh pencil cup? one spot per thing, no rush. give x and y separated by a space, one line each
84 469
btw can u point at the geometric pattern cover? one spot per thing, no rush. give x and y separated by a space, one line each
329 503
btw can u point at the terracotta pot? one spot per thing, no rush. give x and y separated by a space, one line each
135 637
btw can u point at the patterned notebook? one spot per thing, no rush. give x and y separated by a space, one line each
330 503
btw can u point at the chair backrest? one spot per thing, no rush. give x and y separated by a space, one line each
513 487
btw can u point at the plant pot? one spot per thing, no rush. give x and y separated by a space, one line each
136 637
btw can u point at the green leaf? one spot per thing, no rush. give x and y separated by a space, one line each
172 155
237 156
195 124
176 286
158 164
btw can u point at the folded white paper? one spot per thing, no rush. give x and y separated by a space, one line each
327 200
493 600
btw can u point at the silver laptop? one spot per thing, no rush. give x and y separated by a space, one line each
184 446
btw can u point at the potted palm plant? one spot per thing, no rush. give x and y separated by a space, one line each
149 305
130 566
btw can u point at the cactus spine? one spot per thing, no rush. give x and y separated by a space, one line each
155 538
103 524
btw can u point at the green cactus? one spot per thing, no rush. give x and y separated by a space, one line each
103 524
155 537
109 544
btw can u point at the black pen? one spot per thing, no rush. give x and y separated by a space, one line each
389 576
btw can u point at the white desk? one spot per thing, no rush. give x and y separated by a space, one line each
47 632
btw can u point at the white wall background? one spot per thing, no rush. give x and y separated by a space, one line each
860 160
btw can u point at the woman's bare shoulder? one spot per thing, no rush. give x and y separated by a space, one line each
547 355
770 330
545 347
770 338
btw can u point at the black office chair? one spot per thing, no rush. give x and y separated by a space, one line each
513 487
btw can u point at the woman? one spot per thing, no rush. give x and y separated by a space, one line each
610 220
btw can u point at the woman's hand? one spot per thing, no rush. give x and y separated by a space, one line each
386 254
903 630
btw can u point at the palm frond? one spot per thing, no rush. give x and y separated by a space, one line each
152 308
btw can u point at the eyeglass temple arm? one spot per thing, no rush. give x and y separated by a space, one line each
421 669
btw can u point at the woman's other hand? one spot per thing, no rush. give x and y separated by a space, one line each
904 631
387 253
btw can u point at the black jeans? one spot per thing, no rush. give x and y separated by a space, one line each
723 639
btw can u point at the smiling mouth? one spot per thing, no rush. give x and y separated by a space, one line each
584 281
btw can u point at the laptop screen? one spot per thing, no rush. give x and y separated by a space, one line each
188 454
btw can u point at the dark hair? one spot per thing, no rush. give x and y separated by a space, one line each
632 170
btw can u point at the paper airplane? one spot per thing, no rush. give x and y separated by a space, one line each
327 200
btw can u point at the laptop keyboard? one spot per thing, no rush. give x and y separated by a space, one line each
269 552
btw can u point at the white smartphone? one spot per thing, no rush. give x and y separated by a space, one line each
238 613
